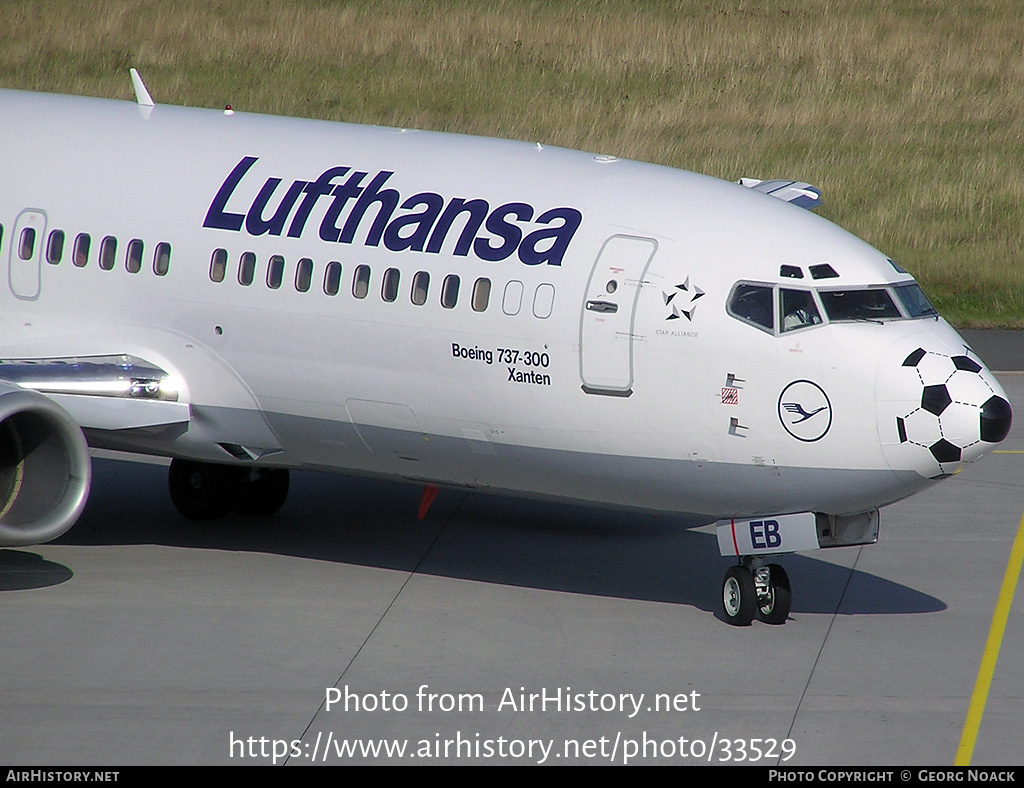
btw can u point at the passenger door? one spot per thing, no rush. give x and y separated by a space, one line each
609 310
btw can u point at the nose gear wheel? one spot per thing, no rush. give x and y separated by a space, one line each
763 592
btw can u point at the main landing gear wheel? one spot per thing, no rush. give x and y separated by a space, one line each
261 491
739 597
208 491
774 599
202 490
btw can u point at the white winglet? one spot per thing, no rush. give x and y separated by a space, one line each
141 94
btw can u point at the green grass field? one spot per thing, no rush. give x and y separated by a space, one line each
909 114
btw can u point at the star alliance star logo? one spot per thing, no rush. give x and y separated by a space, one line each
683 300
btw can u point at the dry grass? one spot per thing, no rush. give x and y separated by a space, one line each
909 113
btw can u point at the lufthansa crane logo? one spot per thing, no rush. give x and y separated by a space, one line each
805 411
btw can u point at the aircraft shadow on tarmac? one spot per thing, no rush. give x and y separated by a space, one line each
21 570
472 536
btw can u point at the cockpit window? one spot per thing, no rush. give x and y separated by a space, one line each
867 304
780 308
753 304
915 302
798 309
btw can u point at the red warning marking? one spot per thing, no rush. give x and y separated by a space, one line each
429 493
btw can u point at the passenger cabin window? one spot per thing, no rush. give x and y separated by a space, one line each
544 301
389 285
481 294
247 268
753 304
512 300
361 281
332 278
275 272
108 251
304 275
80 254
798 309
28 243
450 291
55 247
218 265
133 257
420 286
162 259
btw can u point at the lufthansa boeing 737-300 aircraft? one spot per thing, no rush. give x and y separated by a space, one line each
248 294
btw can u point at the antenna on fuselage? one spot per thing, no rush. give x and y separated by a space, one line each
141 94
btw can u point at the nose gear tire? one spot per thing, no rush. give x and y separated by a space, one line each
739 597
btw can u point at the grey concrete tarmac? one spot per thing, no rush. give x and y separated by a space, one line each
139 638
1001 350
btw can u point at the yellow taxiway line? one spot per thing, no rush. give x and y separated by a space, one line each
988 658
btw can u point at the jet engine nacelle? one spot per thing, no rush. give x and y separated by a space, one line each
45 470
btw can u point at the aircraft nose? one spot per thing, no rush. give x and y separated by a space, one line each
938 407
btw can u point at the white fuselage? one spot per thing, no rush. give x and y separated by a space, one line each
592 353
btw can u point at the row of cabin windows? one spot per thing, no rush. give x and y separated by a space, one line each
55 244
389 287
134 257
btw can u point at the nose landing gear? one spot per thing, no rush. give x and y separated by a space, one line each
764 592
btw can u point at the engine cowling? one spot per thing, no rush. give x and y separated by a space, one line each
45 470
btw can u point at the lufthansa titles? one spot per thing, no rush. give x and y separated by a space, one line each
353 206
